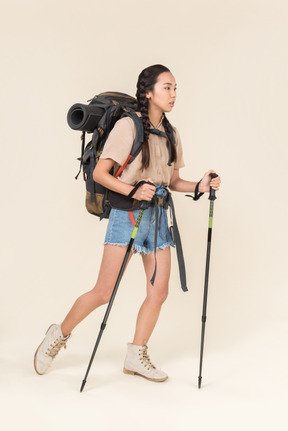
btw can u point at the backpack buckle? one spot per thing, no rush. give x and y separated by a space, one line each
160 201
101 131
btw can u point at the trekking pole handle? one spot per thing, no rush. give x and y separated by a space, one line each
212 195
133 191
143 204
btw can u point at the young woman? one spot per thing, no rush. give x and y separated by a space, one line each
156 94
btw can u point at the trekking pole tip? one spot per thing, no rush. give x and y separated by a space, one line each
199 382
83 384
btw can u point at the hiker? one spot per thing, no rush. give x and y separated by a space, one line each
156 95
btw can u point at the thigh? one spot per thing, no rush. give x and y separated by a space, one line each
163 271
112 259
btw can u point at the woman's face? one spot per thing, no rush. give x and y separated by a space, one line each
163 96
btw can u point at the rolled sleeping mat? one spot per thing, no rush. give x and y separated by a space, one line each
84 117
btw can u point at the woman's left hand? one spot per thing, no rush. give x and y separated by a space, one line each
206 182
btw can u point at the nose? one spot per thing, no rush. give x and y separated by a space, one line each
173 93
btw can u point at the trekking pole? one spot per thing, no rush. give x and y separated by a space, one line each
212 197
143 206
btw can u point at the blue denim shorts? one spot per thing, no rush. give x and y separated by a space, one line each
120 228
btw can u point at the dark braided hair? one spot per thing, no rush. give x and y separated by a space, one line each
146 81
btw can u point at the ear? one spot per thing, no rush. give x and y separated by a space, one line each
148 95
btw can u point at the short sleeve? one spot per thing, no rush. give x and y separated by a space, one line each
180 161
120 141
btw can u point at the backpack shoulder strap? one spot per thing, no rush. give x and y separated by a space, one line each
138 141
160 133
139 137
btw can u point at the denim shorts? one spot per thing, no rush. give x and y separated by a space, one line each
120 228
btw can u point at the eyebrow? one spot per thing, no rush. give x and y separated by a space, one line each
169 83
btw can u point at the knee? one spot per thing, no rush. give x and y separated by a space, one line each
158 297
101 295
163 296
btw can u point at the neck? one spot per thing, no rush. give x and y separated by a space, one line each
155 116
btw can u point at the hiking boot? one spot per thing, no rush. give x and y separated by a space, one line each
49 348
137 362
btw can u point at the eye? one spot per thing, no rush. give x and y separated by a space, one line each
166 88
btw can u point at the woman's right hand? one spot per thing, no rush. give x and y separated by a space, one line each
145 192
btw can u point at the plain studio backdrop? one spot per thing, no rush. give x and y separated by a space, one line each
229 58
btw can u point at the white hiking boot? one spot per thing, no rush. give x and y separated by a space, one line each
137 362
49 348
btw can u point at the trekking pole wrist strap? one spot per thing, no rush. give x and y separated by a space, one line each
197 195
134 190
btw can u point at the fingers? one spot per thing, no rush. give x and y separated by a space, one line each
146 191
149 180
151 186
215 183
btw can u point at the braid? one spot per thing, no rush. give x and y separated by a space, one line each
169 132
146 81
143 109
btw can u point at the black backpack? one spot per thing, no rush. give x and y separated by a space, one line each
99 118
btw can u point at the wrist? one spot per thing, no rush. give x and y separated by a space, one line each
200 187
126 189
129 190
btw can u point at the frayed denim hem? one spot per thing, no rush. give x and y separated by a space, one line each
142 250
115 243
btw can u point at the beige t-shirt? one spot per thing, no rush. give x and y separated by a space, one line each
119 144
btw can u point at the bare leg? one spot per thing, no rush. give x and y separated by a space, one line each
156 295
112 259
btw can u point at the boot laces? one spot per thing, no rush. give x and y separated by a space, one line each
144 357
54 348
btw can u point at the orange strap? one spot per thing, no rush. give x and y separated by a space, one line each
132 218
122 167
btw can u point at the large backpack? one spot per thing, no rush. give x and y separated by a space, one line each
99 118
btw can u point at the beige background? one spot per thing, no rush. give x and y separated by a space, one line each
230 62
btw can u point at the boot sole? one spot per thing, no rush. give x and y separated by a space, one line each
134 373
40 374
